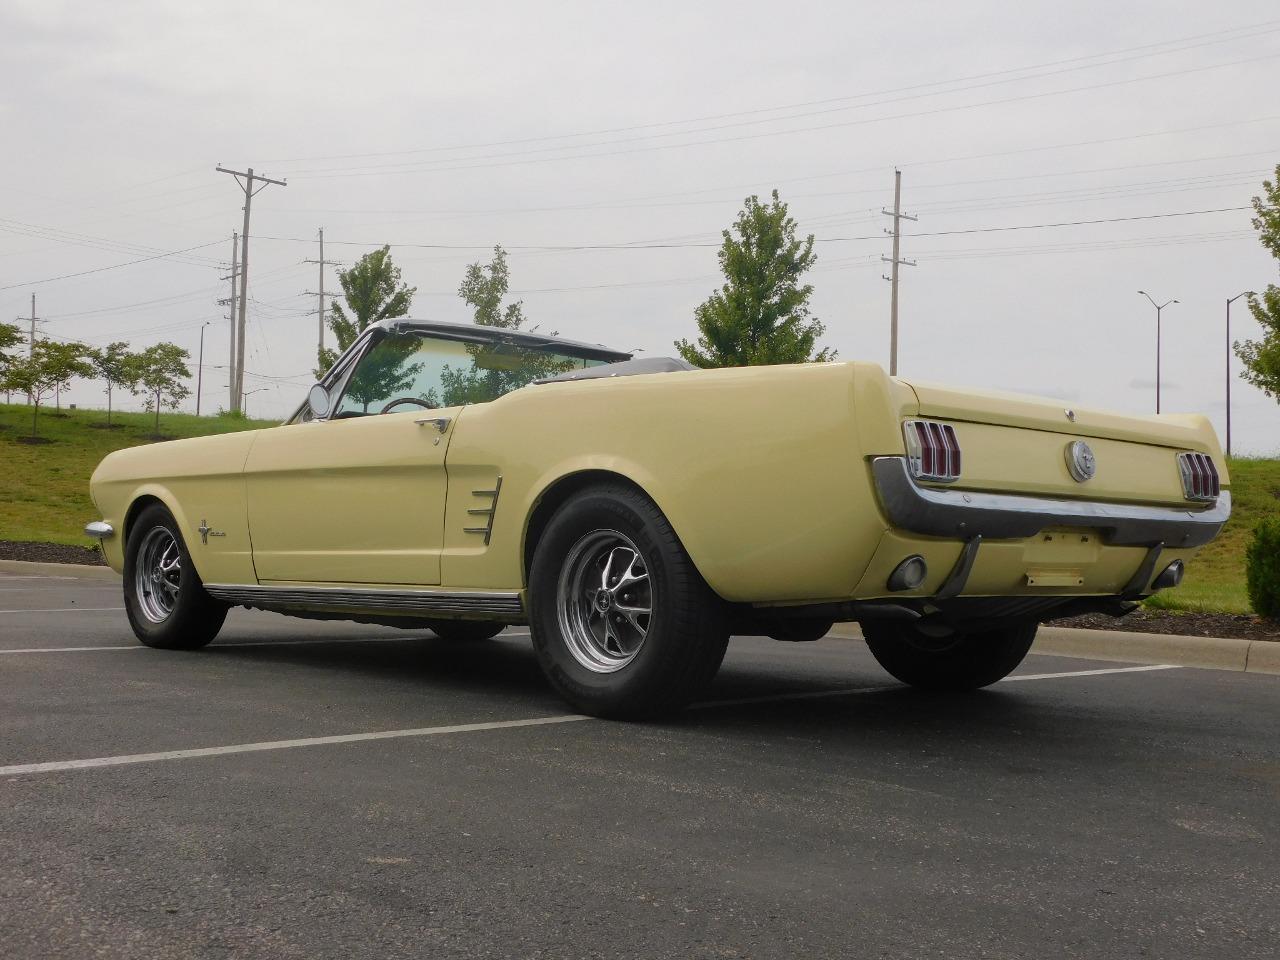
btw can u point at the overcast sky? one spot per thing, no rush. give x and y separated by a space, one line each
445 128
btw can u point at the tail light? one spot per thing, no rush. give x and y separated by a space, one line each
1199 476
933 452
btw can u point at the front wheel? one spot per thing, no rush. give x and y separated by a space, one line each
164 597
960 661
622 622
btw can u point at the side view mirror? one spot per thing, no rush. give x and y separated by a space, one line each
319 401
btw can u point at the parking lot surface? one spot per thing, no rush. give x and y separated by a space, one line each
315 789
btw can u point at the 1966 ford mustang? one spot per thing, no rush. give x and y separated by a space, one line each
636 513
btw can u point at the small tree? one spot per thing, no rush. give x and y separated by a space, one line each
761 314
1261 358
49 367
157 373
495 370
111 364
373 291
10 336
483 289
1262 569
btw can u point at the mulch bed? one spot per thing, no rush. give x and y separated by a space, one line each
50 552
1235 625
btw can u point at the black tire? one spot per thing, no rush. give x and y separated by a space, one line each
684 634
963 661
193 617
469 631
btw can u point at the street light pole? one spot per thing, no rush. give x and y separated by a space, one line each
1159 307
200 368
1231 300
244 400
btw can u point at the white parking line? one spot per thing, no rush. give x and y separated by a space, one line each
57 765
67 610
1090 673
118 761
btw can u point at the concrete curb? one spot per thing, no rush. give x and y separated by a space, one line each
80 571
1209 653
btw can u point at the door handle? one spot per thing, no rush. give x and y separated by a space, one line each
440 423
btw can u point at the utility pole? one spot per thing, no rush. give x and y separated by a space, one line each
321 294
1159 307
231 316
31 340
200 368
245 181
895 261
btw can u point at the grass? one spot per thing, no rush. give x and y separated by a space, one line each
44 492
44 488
1215 578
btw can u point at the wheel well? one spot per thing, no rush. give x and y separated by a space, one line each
136 508
556 495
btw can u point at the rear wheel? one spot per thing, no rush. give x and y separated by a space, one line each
960 661
622 622
164 597
471 631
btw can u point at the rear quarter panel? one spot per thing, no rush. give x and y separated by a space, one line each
760 470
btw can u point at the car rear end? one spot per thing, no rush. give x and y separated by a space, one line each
1009 506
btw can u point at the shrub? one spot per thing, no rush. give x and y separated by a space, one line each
1262 576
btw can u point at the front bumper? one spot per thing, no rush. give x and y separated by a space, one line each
964 515
99 530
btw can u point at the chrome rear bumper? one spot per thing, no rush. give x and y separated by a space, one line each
964 515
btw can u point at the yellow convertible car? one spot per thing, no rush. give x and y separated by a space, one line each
637 512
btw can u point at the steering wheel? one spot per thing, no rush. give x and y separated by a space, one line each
416 401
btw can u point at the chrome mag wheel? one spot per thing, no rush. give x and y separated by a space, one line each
604 601
157 574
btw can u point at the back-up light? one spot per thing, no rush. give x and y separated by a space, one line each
933 452
1199 476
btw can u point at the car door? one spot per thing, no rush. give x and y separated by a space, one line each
358 498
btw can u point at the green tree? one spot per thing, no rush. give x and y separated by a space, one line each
10 336
485 287
1261 358
49 367
373 291
112 365
761 313
496 369
157 373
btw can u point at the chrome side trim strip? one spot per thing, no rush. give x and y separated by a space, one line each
495 604
99 530
957 514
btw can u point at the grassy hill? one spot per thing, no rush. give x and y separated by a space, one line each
44 488
44 492
1215 579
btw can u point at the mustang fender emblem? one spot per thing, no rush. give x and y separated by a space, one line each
207 531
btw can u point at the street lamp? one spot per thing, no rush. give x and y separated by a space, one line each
1159 307
244 400
200 368
1231 300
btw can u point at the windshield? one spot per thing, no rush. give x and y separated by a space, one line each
433 371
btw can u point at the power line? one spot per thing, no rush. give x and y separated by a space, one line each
523 157
114 266
1223 36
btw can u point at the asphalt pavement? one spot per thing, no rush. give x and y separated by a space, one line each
317 789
